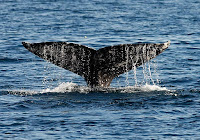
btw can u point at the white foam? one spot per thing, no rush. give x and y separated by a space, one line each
147 87
70 87
142 88
67 87
63 87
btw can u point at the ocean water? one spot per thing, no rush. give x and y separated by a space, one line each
160 100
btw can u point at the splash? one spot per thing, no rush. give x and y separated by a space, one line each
70 88
67 88
153 88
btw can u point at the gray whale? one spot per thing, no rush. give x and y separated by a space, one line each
97 67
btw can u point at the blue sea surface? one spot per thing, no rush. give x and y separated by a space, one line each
159 100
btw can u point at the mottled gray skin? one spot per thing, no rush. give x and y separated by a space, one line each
97 67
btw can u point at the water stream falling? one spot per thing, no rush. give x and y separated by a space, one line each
127 61
146 65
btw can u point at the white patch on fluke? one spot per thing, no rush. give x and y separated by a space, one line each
167 44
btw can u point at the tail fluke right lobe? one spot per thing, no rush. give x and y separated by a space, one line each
112 61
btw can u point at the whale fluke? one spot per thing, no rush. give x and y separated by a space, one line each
97 67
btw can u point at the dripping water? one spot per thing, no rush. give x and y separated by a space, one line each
47 81
147 65
144 58
46 66
135 67
127 63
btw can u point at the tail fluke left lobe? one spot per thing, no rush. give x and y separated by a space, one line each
70 56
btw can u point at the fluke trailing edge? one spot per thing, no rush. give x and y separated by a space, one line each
98 67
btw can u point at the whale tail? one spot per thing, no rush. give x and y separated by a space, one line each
97 67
